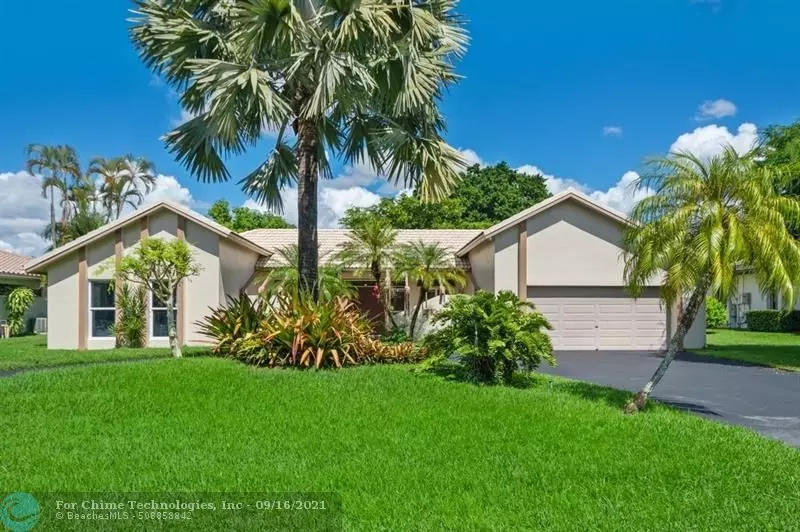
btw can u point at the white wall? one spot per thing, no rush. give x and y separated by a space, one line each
237 265
481 261
506 260
62 303
205 289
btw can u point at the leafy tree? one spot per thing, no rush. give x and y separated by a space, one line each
369 248
18 303
354 80
706 217
245 219
56 164
161 266
492 335
483 197
429 267
284 280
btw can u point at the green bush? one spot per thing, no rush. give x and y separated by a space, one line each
18 303
716 314
773 321
130 328
491 335
290 330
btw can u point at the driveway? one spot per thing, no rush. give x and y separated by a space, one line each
763 399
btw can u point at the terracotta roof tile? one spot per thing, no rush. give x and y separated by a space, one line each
13 264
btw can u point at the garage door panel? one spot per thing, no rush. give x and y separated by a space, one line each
584 322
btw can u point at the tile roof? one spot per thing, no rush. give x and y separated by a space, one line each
13 264
331 239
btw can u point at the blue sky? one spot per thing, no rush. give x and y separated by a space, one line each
542 81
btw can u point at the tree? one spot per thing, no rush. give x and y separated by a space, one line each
125 181
245 219
483 197
429 267
284 279
369 247
706 217
161 266
55 164
780 150
355 80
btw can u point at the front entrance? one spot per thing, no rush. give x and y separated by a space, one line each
369 301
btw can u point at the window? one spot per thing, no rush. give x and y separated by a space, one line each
102 308
160 327
772 301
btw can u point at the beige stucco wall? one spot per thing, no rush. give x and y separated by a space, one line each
62 303
506 258
237 265
204 290
481 260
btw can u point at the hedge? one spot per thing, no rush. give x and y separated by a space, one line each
773 321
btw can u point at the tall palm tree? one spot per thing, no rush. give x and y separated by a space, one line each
708 216
355 80
429 267
124 181
56 164
369 247
139 172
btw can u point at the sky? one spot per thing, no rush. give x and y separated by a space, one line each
580 91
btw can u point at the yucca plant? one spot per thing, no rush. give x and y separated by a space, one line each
130 328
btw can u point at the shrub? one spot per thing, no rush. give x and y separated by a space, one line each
298 331
18 303
491 335
716 314
773 321
129 330
398 335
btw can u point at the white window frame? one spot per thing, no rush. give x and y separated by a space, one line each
152 310
93 308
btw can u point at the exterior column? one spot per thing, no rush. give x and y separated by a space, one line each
522 262
144 232
117 278
83 300
181 296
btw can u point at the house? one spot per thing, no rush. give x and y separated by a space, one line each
13 275
748 296
562 254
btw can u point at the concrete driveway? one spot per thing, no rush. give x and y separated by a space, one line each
763 399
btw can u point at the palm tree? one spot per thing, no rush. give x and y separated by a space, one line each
284 279
429 267
708 216
124 181
55 164
357 81
369 247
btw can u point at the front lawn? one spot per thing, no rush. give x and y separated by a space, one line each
403 451
777 350
31 352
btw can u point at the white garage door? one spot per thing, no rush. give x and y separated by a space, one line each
599 318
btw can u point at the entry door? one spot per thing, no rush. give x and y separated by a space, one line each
600 318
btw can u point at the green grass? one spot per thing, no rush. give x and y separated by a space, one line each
777 350
31 352
404 451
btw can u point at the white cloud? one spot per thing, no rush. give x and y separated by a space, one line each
707 141
612 131
471 157
711 109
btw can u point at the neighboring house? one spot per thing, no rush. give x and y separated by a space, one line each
563 254
13 275
748 296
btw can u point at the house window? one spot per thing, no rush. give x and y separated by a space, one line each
160 327
102 308
772 301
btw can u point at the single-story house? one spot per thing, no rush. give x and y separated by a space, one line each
749 296
13 275
562 254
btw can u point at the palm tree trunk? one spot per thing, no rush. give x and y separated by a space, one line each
53 231
639 402
173 333
307 181
415 315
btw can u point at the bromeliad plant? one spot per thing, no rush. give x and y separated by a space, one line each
492 335
296 331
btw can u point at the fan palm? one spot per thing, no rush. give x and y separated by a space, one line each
707 217
284 279
369 247
358 80
429 267
55 164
